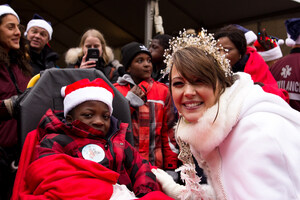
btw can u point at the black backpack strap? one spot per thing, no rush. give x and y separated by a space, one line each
13 78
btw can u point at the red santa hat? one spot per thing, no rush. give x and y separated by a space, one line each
274 52
86 90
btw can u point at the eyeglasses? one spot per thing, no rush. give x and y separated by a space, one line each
226 50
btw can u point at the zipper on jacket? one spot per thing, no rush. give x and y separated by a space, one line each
109 145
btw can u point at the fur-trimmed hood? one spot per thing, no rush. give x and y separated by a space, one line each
75 54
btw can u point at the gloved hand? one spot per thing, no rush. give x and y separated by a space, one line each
167 183
12 104
173 174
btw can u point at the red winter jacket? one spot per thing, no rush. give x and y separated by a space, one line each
260 73
152 124
57 137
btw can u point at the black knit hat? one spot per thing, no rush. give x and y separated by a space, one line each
130 50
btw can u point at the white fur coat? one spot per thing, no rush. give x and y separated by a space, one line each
241 151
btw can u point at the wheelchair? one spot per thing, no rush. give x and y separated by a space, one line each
45 93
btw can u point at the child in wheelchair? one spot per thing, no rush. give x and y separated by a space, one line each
83 152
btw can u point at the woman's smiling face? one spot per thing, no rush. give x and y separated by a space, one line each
10 33
191 99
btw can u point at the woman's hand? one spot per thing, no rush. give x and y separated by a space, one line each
168 185
87 64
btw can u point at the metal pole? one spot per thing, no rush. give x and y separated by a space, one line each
148 23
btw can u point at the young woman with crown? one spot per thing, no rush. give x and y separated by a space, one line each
246 140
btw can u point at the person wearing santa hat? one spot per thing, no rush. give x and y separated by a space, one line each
15 73
39 33
244 58
88 130
286 70
250 36
268 47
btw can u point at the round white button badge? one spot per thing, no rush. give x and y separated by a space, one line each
93 152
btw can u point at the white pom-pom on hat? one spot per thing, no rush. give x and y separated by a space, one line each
280 42
289 42
62 91
293 31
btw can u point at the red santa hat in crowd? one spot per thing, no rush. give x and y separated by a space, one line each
274 51
86 90
293 31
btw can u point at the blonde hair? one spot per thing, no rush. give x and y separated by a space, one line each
97 34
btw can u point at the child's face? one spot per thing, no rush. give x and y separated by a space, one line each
93 113
140 68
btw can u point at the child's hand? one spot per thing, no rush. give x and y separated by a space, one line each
136 96
138 91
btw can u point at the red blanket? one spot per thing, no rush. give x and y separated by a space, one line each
60 177
63 177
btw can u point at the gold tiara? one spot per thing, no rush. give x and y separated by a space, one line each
203 41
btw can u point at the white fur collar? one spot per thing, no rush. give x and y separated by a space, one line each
73 54
205 135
